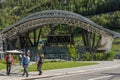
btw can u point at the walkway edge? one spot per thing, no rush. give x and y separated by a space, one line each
68 73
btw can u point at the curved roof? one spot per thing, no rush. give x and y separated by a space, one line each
60 14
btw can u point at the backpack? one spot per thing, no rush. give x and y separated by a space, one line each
25 61
9 60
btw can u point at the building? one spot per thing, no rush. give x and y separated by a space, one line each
1 48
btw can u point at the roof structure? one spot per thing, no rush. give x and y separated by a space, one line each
18 34
59 15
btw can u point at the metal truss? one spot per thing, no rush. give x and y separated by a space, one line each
37 20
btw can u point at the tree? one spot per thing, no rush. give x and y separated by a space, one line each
72 52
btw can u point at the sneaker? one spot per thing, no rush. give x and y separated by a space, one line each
40 73
26 75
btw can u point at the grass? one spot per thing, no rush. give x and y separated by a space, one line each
60 65
2 66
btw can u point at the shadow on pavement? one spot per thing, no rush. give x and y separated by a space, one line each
115 75
3 75
11 74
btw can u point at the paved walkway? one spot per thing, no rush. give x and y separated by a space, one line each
17 75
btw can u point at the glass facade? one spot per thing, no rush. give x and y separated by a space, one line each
55 52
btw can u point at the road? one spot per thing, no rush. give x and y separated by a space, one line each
109 74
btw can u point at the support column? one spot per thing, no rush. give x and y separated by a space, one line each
6 44
84 38
39 36
19 42
34 38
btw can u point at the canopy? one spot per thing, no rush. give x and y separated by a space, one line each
1 52
14 51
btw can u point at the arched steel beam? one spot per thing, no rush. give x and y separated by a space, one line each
37 20
54 17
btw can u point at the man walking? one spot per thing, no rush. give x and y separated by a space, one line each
40 60
26 60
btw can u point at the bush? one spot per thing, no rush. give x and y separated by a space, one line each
99 56
72 52
86 56
110 56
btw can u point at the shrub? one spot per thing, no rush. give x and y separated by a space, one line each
110 56
86 56
72 52
99 56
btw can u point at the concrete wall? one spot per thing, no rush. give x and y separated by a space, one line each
106 43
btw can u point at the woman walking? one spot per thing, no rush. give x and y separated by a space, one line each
9 62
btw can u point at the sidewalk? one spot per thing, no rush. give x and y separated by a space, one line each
47 73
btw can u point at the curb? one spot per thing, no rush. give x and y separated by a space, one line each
68 73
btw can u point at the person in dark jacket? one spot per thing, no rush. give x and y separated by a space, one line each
40 61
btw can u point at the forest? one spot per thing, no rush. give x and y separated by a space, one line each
103 12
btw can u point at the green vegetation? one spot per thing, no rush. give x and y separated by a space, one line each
16 58
13 10
110 55
98 56
110 21
59 65
103 12
72 52
86 56
2 64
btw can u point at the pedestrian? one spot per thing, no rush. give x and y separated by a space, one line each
40 60
28 52
26 60
9 62
20 59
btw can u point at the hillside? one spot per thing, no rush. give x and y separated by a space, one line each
13 10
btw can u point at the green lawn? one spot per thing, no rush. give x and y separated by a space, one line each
59 65
2 66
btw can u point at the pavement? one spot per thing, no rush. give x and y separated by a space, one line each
17 75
